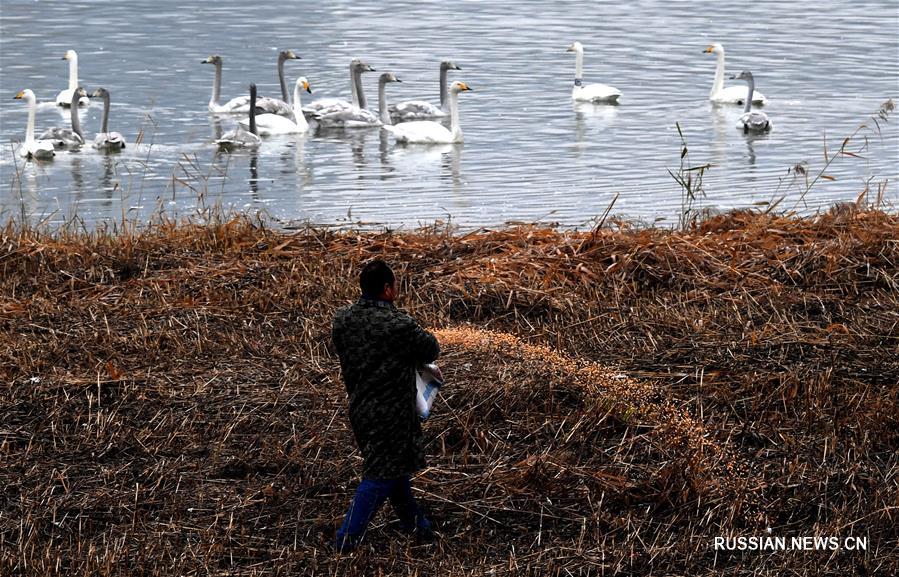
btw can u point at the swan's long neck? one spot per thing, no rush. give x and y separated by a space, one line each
281 79
358 94
298 115
718 85
76 121
73 71
578 68
253 110
454 116
216 85
29 130
382 103
443 91
751 82
105 126
353 74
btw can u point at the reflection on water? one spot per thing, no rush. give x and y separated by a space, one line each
302 169
254 175
602 115
357 140
591 121
452 163
109 182
752 141
216 124
384 153
76 165
750 150
529 151
722 131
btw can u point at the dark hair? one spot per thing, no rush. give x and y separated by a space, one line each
374 276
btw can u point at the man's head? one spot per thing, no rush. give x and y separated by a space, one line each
377 281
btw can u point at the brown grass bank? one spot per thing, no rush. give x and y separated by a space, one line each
617 399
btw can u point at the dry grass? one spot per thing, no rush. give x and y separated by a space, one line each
617 398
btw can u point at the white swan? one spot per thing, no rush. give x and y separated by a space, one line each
31 148
331 105
751 121
64 98
420 109
273 105
589 92
268 123
239 137
68 137
430 132
238 104
105 140
731 94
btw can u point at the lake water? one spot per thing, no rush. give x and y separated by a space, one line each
529 153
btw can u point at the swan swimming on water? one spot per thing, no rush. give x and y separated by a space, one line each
31 148
105 140
420 109
751 121
268 123
332 105
345 115
240 137
64 98
591 92
237 104
68 137
430 132
731 94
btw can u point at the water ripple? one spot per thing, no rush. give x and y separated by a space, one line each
529 153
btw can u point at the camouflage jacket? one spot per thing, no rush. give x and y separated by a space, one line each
379 347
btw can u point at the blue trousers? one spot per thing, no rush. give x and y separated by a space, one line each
370 495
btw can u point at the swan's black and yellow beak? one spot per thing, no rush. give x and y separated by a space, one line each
292 55
464 87
709 50
307 87
19 96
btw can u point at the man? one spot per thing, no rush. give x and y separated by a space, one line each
379 348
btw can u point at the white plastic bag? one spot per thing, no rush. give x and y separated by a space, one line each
428 381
